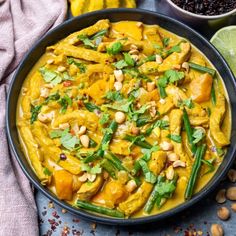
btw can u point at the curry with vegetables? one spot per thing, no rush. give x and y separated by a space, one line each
124 119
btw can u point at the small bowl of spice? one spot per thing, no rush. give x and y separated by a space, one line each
205 14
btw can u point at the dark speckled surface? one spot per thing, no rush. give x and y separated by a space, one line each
197 219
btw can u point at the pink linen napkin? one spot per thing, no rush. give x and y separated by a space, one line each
22 22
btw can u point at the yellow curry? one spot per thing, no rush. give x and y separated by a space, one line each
124 119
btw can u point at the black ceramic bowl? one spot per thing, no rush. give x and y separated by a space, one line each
117 15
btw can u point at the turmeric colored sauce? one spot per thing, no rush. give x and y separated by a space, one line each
100 118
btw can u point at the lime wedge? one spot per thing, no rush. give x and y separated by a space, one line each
225 41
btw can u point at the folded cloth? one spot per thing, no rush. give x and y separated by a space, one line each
22 22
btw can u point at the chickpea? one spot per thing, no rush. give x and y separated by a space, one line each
223 213
220 196
231 193
217 230
233 207
120 117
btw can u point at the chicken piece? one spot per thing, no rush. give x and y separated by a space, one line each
82 53
176 118
157 162
88 189
199 121
63 183
176 58
120 147
136 201
216 118
176 94
112 194
200 88
145 97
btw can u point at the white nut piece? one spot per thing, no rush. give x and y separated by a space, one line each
135 57
50 61
83 178
131 186
172 156
179 163
150 86
91 177
82 130
159 59
50 86
166 146
118 85
170 173
220 196
119 75
64 125
61 68
120 117
44 118
185 66
162 101
134 52
44 92
84 139
133 47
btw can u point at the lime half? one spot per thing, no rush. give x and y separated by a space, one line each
225 41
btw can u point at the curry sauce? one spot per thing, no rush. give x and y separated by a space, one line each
124 119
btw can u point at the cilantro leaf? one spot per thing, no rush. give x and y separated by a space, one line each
46 171
80 65
34 113
128 59
86 41
163 81
50 76
114 96
104 119
162 124
187 102
120 64
198 135
175 48
175 138
210 164
91 107
99 34
115 48
122 105
174 75
165 41
92 170
65 102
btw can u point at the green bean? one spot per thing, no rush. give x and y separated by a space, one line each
149 58
200 152
107 165
140 143
115 161
189 130
202 68
92 143
162 92
107 137
99 209
213 94
153 197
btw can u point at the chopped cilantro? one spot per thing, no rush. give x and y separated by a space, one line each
165 41
65 102
187 102
86 41
50 76
46 171
99 34
120 64
104 119
175 138
198 135
115 48
34 113
91 107
80 65
128 59
114 96
210 164
174 76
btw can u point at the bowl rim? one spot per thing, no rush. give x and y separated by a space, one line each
85 214
214 17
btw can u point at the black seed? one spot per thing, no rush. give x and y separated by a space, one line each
63 156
